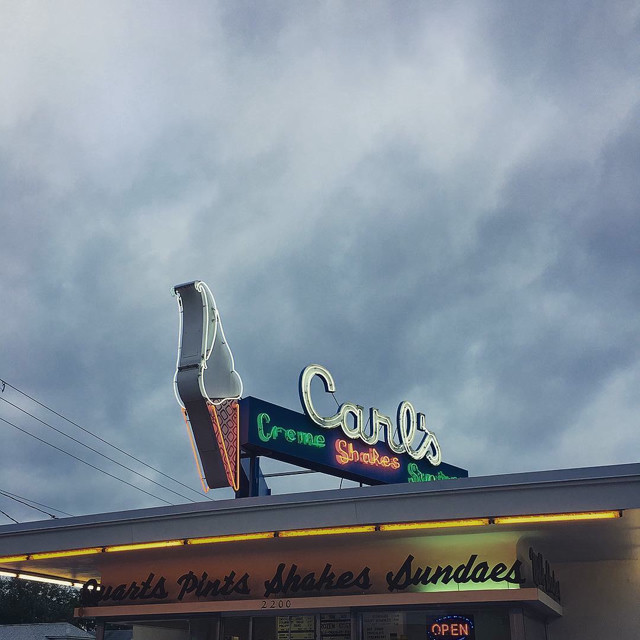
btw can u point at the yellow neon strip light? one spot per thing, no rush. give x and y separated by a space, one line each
408 526
559 517
144 545
21 558
64 554
296 533
232 538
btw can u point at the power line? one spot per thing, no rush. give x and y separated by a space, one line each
288 473
28 505
8 516
113 446
17 498
66 435
53 446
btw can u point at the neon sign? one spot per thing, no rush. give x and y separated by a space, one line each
346 454
453 627
415 475
302 573
270 430
471 571
543 577
207 387
222 426
290 435
414 438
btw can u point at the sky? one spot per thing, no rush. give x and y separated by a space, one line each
437 201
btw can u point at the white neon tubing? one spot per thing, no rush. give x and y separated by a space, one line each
202 286
175 375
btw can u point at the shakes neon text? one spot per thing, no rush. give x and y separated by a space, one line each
345 453
410 436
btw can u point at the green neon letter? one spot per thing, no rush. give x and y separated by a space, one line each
414 473
262 418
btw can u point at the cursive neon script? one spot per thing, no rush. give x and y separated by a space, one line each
290 435
204 587
415 475
346 454
150 589
414 438
285 582
470 571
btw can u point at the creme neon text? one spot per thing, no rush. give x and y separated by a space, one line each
289 435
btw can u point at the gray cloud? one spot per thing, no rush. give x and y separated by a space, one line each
438 203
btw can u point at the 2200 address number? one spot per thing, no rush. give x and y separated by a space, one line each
276 604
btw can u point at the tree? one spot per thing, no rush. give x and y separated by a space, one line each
25 601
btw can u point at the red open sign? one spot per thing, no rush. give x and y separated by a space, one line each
453 627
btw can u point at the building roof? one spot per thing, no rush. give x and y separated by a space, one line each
570 490
43 631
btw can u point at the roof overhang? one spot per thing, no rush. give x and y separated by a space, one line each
599 489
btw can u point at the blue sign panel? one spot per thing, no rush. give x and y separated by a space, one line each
273 431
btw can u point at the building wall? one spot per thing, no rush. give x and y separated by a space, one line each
160 632
600 600
534 629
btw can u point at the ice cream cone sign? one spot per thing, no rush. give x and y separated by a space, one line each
208 387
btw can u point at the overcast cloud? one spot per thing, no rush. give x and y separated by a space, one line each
436 200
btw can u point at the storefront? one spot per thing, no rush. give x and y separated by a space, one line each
543 555
427 553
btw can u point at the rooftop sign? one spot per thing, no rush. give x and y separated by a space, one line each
411 426
270 430
222 426
207 387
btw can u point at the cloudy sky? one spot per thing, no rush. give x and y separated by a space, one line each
438 201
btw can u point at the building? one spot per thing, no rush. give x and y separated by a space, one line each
44 631
535 556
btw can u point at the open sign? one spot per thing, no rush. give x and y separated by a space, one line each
452 627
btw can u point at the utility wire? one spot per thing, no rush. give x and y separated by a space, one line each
287 473
84 461
8 516
17 498
28 505
113 446
66 435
